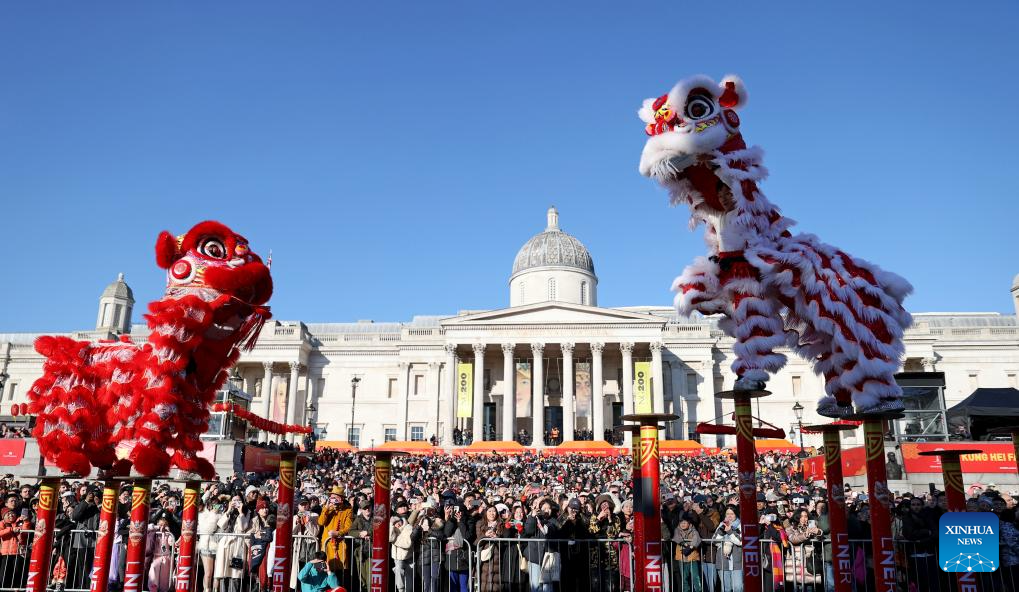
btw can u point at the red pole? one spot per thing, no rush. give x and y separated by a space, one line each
42 545
379 572
186 569
637 547
842 558
104 538
880 505
134 572
746 452
283 556
651 508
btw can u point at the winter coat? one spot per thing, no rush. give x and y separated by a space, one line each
86 518
338 522
206 529
362 547
457 560
731 542
535 550
8 538
429 545
233 542
491 570
688 544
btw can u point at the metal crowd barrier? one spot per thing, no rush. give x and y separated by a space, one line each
505 564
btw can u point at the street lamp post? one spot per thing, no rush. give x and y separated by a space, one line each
353 402
798 412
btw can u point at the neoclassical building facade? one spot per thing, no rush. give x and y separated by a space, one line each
552 359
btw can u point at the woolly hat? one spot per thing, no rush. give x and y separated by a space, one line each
604 498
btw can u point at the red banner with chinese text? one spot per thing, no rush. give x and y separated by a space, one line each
993 457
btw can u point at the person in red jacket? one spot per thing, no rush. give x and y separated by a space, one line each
11 563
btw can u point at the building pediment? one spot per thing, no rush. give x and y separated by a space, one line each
553 313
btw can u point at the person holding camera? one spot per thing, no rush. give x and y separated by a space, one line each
316 576
232 550
729 552
209 514
335 521
688 554
803 535
159 543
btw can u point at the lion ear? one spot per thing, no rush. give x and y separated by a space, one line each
166 250
646 111
733 93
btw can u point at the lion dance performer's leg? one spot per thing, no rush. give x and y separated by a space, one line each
753 319
858 305
697 289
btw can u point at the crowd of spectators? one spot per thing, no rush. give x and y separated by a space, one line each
450 513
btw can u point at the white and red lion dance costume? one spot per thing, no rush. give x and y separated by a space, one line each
772 287
152 401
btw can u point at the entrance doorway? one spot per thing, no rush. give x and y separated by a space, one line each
617 413
554 419
488 421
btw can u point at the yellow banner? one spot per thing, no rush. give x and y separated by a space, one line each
642 387
464 389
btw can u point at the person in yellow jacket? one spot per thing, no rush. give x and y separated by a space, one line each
335 521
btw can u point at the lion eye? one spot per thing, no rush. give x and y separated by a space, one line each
699 108
213 248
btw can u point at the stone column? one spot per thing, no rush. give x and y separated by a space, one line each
657 383
675 372
509 399
627 349
597 392
568 400
266 391
309 399
403 400
434 388
477 419
447 434
928 364
295 371
538 396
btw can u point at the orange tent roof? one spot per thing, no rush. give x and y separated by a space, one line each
411 447
487 447
593 448
765 445
679 447
337 444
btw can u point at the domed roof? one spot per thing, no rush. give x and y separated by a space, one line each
119 289
553 248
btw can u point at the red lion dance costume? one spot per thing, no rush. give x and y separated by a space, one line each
772 287
153 400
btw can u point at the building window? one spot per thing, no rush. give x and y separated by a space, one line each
392 388
691 430
354 436
551 289
796 386
13 389
417 433
974 382
419 384
691 384
391 434
583 292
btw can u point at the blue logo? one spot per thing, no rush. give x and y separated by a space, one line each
968 542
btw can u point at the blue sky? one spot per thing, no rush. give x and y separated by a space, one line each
395 158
